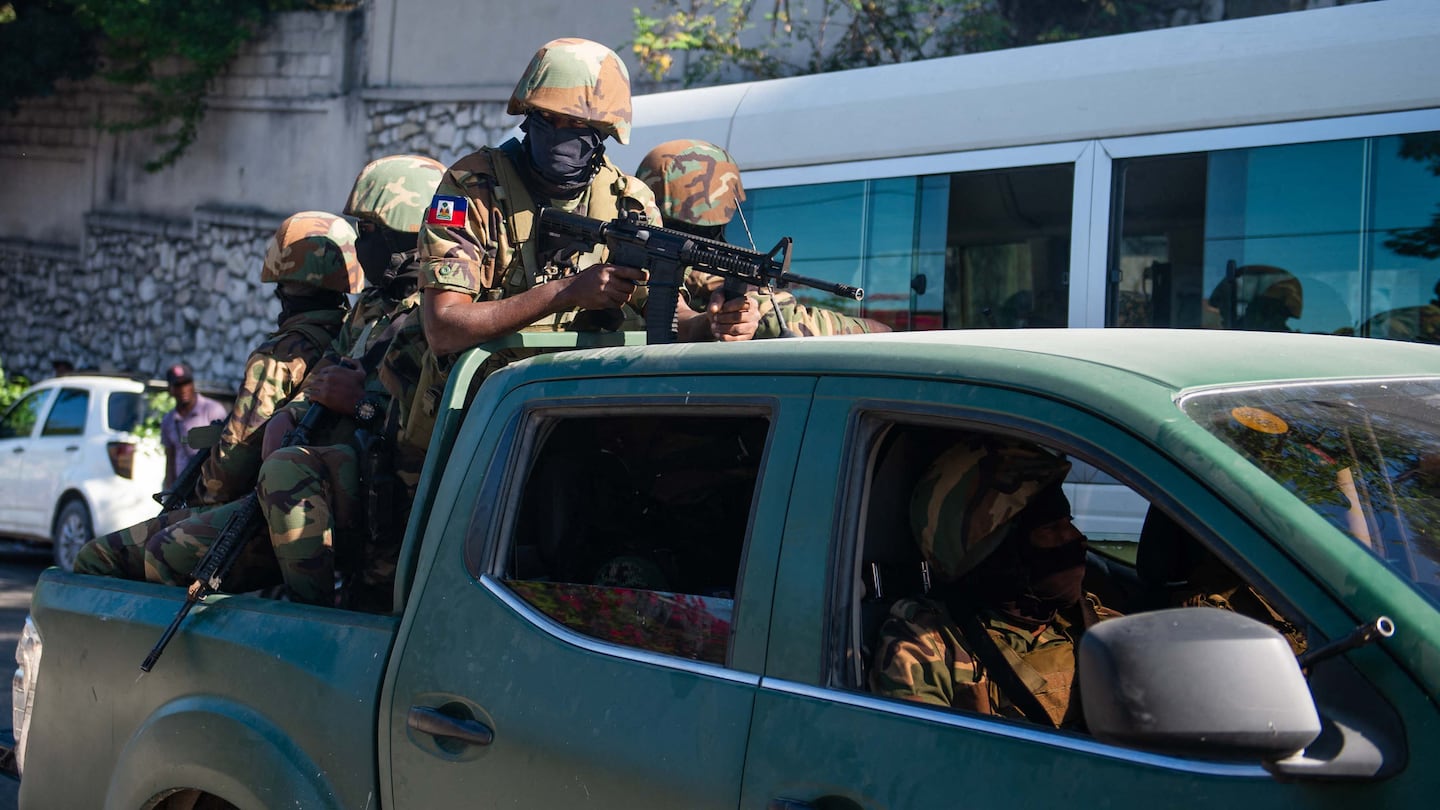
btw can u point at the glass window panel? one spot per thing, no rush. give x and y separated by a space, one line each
1360 454
67 415
1008 257
123 411
1336 237
632 528
974 249
20 419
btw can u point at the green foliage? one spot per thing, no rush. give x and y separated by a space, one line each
718 37
167 51
11 387
157 404
1424 242
41 42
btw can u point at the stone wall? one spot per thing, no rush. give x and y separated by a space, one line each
143 293
444 130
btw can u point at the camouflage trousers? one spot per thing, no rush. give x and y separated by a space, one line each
311 500
172 553
121 553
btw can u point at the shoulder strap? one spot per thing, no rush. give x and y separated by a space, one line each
516 203
998 665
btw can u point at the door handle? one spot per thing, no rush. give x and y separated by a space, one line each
789 804
72 448
438 724
18 450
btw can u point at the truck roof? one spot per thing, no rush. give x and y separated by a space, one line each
1064 361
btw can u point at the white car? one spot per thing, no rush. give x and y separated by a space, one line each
72 465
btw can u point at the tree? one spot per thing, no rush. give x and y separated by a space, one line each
716 36
1424 241
167 51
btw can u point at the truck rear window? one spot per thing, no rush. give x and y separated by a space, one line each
632 528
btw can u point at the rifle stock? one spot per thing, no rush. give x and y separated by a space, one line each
666 254
212 569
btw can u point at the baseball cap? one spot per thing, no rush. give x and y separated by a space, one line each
179 373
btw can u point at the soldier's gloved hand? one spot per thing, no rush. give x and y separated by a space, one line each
600 286
338 387
733 320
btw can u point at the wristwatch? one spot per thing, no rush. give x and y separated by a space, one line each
366 410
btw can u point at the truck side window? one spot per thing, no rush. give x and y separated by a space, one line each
918 630
632 528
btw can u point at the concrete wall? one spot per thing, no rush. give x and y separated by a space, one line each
110 266
114 267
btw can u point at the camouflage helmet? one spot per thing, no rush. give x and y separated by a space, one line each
316 249
581 79
966 503
393 191
695 182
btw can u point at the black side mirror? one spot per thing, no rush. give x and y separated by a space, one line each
1196 681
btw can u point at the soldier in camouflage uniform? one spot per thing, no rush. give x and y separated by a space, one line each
994 527
485 275
698 190
311 496
312 261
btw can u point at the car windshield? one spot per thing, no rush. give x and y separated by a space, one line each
1365 455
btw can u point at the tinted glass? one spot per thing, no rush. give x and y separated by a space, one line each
1364 455
67 415
20 419
967 250
1337 237
632 528
124 410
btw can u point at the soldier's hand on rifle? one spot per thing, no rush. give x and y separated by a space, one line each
600 286
338 387
733 320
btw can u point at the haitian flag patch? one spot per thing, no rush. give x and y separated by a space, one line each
446 210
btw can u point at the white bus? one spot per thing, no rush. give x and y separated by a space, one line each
1277 172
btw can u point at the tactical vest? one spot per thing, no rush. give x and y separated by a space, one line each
518 266
521 267
1047 671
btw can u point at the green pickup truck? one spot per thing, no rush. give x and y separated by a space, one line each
645 577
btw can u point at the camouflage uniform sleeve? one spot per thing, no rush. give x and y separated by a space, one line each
461 258
270 377
920 657
803 320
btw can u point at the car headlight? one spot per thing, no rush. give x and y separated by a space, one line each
22 687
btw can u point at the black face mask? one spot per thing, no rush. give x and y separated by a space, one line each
565 159
292 305
381 252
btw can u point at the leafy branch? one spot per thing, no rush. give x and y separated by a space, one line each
721 39
167 51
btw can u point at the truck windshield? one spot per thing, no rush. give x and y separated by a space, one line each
1365 455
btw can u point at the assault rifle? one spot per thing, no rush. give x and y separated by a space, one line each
222 554
178 495
666 254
